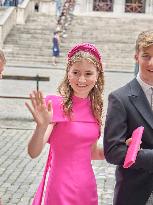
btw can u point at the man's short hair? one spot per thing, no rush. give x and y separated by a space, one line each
144 39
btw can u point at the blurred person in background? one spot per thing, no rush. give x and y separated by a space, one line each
55 47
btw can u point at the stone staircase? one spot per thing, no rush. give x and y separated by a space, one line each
114 36
29 45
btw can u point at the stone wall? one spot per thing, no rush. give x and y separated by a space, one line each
11 16
7 21
23 11
86 6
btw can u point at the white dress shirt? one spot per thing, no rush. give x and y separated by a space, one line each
145 87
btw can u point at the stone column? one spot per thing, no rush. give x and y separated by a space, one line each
149 7
90 5
47 7
81 6
119 6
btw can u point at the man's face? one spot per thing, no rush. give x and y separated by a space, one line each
144 57
1 67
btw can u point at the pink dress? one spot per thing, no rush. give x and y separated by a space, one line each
71 179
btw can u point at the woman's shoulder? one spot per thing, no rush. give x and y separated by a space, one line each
57 106
53 98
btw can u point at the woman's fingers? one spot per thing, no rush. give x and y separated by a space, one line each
28 106
128 141
41 97
37 98
41 112
38 101
50 110
33 101
36 95
30 109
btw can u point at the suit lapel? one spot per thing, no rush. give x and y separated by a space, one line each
139 100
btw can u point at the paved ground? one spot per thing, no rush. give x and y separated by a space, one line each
20 175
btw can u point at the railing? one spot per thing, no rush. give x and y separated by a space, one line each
36 78
24 10
137 7
103 5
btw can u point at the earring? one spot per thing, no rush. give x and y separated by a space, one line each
95 85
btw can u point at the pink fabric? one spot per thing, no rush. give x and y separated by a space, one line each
56 101
71 179
86 47
39 194
133 147
79 113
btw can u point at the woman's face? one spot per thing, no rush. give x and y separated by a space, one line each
82 77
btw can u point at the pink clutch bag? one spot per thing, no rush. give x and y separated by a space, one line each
133 147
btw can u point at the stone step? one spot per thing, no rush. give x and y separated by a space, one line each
31 30
108 65
29 41
28 31
36 45
46 56
34 26
60 66
31 38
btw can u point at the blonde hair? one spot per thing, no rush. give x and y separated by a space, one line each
144 40
2 57
96 94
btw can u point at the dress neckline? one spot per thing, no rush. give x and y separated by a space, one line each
79 99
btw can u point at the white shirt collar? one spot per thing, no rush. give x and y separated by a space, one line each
144 85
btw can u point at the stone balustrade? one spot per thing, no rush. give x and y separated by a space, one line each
11 16
23 11
7 21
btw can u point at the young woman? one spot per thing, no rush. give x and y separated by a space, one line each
71 124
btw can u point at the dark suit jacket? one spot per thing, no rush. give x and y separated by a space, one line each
129 108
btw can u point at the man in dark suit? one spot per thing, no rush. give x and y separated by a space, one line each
130 107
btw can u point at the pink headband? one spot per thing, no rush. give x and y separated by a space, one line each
86 47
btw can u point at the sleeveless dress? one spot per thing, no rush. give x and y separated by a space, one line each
71 179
